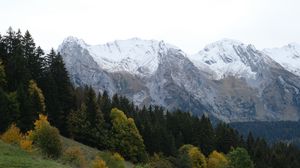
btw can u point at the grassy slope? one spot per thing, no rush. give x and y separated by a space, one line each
13 157
89 152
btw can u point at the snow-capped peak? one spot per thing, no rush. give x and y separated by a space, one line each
287 56
224 58
135 55
225 43
71 40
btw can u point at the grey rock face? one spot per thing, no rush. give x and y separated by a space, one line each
252 85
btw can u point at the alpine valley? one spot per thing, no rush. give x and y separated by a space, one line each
227 80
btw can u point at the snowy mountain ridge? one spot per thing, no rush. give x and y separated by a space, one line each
135 55
218 59
227 80
287 56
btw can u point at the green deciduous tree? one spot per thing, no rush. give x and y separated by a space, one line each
217 160
126 138
192 156
239 158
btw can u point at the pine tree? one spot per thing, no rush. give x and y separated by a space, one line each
226 138
27 115
95 118
60 95
105 106
9 106
204 135
79 126
33 56
16 69
2 75
93 110
250 144
3 53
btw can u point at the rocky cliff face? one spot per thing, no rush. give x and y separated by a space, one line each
227 79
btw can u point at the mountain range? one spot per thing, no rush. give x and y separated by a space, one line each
227 80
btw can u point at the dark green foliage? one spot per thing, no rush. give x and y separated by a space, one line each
27 115
33 57
16 66
272 132
86 124
126 138
47 138
111 161
9 109
226 138
204 135
105 105
160 161
60 93
239 158
9 106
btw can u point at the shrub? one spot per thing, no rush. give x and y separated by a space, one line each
118 157
191 156
239 158
46 137
159 161
113 160
217 160
99 163
75 156
12 135
26 144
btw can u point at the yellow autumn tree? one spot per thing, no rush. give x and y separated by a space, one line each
99 163
37 97
126 138
46 137
193 156
12 135
217 160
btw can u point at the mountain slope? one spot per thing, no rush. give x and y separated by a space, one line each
287 56
228 80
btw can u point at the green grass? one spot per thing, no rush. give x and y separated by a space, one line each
90 153
13 157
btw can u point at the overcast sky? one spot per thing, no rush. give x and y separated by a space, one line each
188 24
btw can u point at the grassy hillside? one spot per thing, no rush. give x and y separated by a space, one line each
12 156
90 152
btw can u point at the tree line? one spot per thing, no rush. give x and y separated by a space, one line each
33 83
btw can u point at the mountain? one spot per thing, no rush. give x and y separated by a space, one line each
287 56
227 80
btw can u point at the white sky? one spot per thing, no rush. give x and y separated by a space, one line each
188 24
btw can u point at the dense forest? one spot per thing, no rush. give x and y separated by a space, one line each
271 131
33 83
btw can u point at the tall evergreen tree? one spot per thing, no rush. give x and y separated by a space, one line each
60 94
9 107
33 56
16 68
27 115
